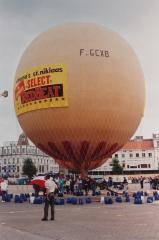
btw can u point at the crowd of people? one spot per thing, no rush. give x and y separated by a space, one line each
72 185
153 181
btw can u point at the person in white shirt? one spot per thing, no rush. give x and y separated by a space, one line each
50 187
4 189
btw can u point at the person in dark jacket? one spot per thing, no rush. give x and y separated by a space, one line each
142 182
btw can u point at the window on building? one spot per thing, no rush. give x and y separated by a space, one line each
18 150
158 144
137 154
28 150
17 160
143 165
5 161
4 151
116 155
143 155
33 150
23 150
127 166
13 150
123 155
133 166
17 168
39 152
149 165
8 151
150 154
131 155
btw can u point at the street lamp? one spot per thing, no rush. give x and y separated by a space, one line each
4 93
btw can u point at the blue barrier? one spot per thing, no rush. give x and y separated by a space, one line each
23 197
69 200
7 198
80 201
38 200
74 200
56 201
88 200
156 196
18 199
118 199
61 201
138 194
149 199
108 200
10 195
137 200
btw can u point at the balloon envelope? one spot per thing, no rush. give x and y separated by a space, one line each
79 94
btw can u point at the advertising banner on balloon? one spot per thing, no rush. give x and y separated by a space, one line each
41 87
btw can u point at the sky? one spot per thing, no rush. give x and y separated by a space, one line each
135 20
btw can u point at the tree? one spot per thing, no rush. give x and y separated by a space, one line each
116 167
29 168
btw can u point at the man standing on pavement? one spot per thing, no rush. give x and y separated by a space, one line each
50 187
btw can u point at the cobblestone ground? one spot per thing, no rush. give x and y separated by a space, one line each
95 221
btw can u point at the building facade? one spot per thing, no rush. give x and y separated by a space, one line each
13 155
137 156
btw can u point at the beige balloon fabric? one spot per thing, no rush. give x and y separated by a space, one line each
103 92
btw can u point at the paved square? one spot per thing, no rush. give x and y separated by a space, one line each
120 221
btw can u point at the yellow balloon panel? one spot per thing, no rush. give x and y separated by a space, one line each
41 87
